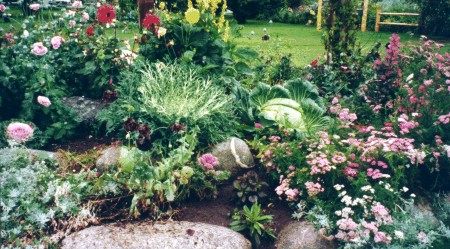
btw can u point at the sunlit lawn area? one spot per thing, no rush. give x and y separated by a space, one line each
304 43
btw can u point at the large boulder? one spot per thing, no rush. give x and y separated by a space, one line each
109 158
171 235
302 235
233 155
86 108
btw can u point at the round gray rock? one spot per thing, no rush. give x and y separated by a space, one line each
302 235
172 235
233 155
110 158
86 108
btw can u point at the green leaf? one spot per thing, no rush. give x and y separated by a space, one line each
263 93
247 54
243 68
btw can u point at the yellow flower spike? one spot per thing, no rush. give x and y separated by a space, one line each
162 5
190 6
312 12
226 33
192 16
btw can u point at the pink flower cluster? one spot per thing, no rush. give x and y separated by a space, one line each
19 132
2 8
57 41
77 4
284 188
405 125
445 119
208 161
381 214
44 101
35 6
313 188
319 163
345 115
39 49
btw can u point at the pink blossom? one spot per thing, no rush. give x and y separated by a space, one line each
77 4
274 139
39 49
381 237
439 57
85 16
366 129
345 114
436 154
347 224
350 172
291 194
292 167
428 82
445 119
422 237
44 101
258 126
19 132
338 157
35 6
57 41
379 210
2 8
313 188
438 139
334 101
375 174
208 161
9 36
71 23
371 226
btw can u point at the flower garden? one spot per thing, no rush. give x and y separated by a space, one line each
103 121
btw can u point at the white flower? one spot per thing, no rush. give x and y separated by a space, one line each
270 22
338 187
413 195
343 193
399 234
338 213
26 34
405 189
347 200
252 32
264 30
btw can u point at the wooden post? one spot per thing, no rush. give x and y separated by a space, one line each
378 18
144 6
364 16
319 15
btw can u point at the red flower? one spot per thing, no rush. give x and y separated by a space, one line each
90 31
150 21
106 13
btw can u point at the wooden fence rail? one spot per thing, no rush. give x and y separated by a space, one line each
378 21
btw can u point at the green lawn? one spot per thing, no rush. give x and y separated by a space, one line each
304 43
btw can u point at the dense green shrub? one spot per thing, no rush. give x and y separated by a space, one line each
247 9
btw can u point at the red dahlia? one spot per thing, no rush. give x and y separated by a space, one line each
106 13
90 31
150 21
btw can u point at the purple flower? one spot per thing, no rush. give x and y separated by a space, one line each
208 161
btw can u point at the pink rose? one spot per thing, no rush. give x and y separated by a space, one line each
39 49
44 101
2 8
57 41
35 6
19 132
77 4
71 23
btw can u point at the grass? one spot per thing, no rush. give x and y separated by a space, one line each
304 43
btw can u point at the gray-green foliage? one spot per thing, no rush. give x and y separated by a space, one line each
296 105
31 195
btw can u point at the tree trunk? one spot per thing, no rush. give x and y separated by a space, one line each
144 6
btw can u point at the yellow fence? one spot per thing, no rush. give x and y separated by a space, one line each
380 13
